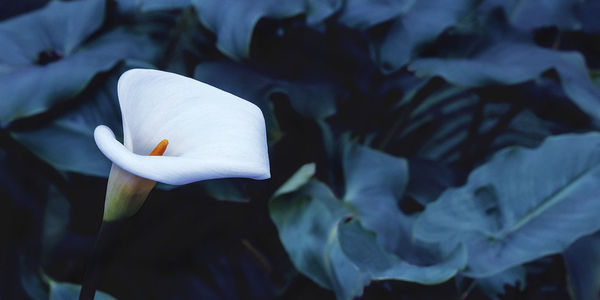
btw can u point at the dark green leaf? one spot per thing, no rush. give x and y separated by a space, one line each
521 205
68 142
40 286
532 14
588 15
582 260
31 282
313 213
300 178
60 26
39 59
32 89
233 21
363 14
375 182
362 248
526 129
428 180
69 291
509 63
420 25
225 190
454 120
56 221
309 98
128 6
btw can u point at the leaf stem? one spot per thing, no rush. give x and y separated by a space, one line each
466 293
477 119
181 25
480 147
429 88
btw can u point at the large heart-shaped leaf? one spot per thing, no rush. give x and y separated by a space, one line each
375 182
67 143
521 205
508 62
233 21
40 61
313 213
54 66
377 245
61 26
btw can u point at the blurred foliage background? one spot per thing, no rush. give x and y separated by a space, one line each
419 149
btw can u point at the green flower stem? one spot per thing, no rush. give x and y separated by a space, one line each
105 241
125 194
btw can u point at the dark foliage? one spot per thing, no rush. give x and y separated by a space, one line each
418 149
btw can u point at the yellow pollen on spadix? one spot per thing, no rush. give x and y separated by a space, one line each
160 148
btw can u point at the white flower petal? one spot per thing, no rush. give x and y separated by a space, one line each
211 133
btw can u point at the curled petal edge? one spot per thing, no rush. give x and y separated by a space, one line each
176 170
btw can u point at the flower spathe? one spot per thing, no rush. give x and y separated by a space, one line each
211 134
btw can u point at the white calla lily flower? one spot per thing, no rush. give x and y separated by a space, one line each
210 134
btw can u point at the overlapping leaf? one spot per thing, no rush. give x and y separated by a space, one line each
532 14
67 143
418 26
374 183
43 60
582 260
363 14
41 287
313 212
310 98
508 62
376 246
233 21
59 26
362 248
521 205
57 30
68 291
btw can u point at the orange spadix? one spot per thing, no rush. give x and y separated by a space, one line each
160 148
